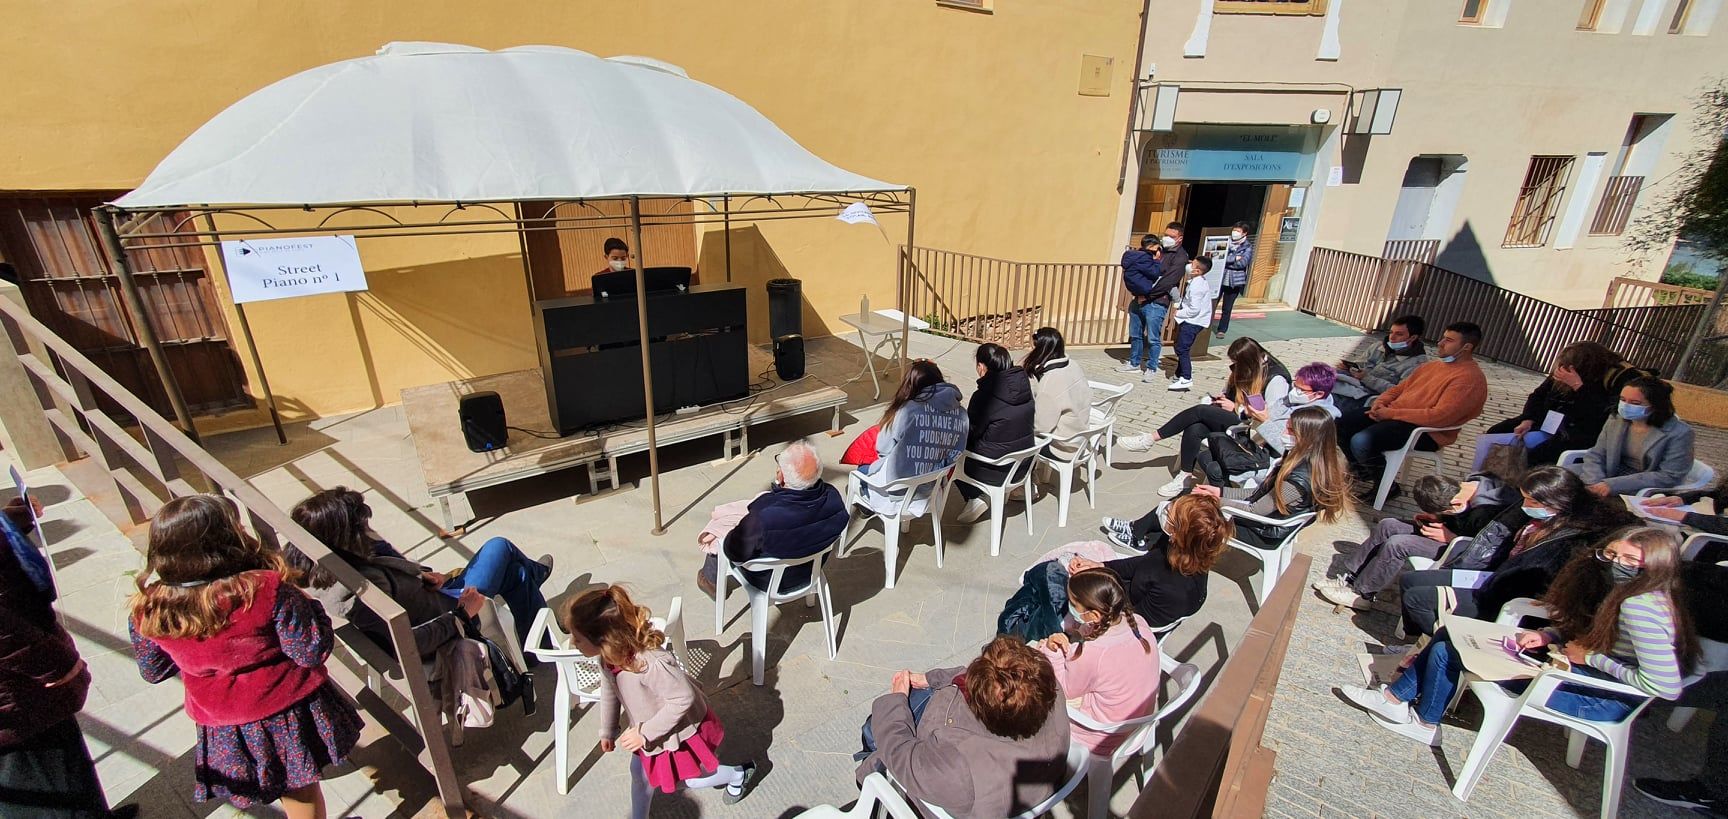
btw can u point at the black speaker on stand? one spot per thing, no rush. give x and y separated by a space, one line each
786 327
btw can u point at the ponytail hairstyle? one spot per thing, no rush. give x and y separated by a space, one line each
1099 590
195 571
1047 345
994 357
608 618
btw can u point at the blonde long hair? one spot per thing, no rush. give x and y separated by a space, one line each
198 570
1314 441
608 618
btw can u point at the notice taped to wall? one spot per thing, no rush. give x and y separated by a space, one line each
266 269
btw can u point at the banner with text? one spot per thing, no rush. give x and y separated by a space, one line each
266 269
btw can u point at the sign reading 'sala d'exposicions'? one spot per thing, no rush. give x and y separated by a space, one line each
265 269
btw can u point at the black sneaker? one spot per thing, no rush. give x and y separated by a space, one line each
736 793
1681 793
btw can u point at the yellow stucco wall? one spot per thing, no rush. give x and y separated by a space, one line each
979 111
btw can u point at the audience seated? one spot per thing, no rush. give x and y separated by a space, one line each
1312 477
1583 388
1062 407
1643 447
923 430
999 421
1110 670
1616 616
798 516
1387 364
341 520
1518 554
1448 391
1474 506
1237 453
1256 381
1167 580
989 739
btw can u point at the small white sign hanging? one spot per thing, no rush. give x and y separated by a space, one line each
266 269
856 213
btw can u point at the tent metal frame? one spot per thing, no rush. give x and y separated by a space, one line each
124 228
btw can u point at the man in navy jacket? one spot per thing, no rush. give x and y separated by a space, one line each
1150 281
799 516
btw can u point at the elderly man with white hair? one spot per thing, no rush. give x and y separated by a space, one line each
799 515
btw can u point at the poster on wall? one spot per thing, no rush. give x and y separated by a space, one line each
1288 227
1213 243
268 269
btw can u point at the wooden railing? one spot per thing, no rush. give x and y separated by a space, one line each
1625 292
1216 765
1367 291
984 299
156 462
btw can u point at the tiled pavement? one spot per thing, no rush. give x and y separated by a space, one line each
803 722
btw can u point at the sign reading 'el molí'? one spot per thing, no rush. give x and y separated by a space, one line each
1223 153
266 269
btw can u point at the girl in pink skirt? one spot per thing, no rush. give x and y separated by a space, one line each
671 731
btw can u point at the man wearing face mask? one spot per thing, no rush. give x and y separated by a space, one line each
1151 286
617 255
1359 382
1238 257
1449 391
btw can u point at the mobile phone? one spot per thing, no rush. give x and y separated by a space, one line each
1538 656
1258 402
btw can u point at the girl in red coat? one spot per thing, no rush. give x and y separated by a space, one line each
213 607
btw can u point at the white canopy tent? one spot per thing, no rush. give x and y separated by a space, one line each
532 127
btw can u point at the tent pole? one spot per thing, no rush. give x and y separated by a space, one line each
105 227
726 229
906 275
647 366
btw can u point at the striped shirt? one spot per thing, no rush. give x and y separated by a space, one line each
1644 655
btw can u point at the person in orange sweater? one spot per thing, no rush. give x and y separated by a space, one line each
1445 392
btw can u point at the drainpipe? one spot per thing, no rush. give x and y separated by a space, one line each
1133 95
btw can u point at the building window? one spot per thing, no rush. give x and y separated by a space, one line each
1592 15
1616 208
1475 11
1538 201
1681 12
969 5
1314 8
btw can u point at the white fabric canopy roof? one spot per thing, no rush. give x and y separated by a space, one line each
432 122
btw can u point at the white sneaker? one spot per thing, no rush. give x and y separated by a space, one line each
1180 384
1136 443
1343 595
1128 368
1327 582
1373 700
972 511
1174 487
1151 376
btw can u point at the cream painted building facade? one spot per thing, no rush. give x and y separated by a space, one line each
1519 136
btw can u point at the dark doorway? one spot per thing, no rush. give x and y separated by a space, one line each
1219 205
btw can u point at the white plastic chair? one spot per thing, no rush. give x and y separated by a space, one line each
874 792
1086 455
1273 562
813 592
899 495
579 675
1696 543
1105 397
1395 460
1169 627
1142 735
1077 768
1700 476
1417 563
1502 709
1016 462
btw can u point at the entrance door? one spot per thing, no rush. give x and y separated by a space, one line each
52 243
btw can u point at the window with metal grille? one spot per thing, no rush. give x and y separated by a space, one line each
1538 201
1302 7
1616 208
1591 15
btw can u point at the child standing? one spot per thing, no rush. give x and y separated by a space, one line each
672 732
1193 314
1112 672
213 606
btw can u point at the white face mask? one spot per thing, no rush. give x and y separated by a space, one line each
1169 242
1237 235
618 265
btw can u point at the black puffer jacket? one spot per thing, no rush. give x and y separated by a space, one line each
1000 413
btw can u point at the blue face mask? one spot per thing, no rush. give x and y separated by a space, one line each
1634 412
1075 613
1618 574
1538 512
1397 345
1448 359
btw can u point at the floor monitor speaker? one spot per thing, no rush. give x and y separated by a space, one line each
789 357
482 417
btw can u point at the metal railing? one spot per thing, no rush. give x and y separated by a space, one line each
157 462
1216 765
1615 210
984 299
1367 291
1414 250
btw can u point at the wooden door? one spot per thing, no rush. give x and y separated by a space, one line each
1158 204
52 243
1266 243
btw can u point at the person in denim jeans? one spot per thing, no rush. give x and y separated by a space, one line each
1616 608
1151 282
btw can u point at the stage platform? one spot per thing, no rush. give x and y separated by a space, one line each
451 469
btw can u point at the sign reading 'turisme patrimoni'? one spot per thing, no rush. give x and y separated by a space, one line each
266 269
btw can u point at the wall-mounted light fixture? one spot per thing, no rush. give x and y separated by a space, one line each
1164 107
